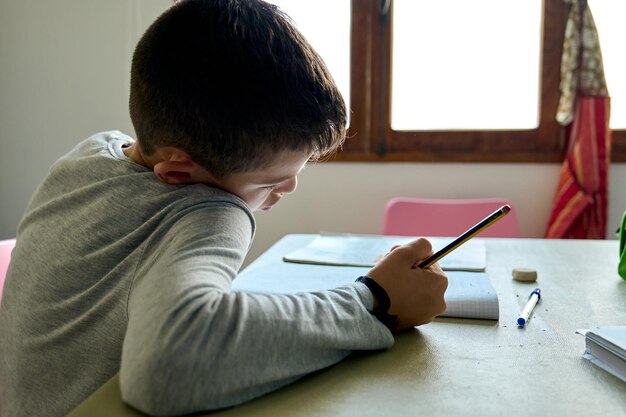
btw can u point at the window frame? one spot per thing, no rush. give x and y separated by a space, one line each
371 138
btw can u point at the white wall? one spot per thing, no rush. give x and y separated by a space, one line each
350 197
64 75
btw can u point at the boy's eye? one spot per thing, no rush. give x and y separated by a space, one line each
270 187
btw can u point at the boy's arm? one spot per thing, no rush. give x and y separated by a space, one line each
193 345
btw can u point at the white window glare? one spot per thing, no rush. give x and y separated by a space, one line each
326 25
466 65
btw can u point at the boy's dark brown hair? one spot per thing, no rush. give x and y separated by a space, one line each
232 82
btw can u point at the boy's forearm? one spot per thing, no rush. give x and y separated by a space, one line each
241 347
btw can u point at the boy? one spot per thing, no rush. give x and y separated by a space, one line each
126 253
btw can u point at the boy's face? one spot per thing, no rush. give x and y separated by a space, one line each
263 188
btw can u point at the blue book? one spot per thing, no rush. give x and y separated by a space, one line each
367 250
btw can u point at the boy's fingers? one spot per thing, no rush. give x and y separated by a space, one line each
394 247
413 251
435 267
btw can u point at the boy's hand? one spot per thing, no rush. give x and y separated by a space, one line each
416 294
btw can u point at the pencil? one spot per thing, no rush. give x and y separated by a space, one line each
482 225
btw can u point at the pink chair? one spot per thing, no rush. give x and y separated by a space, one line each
442 217
6 247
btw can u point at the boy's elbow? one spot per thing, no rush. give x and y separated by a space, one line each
146 387
158 386
152 387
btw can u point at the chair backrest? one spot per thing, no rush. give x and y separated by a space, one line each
446 217
6 247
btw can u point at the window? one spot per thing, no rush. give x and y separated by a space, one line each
451 72
332 40
452 80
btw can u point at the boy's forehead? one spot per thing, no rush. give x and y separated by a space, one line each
284 166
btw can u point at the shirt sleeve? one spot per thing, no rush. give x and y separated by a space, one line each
193 345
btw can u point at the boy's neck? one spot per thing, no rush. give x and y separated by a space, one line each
134 153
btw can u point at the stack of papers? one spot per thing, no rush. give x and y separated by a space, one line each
336 260
606 348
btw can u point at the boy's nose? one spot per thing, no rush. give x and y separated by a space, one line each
288 186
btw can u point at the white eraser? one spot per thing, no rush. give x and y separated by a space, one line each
525 274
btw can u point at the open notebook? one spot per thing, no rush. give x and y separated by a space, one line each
469 294
366 250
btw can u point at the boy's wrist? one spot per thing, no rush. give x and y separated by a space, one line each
381 302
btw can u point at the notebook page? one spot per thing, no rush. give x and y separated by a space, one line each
469 294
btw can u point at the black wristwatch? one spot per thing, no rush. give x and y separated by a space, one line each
381 312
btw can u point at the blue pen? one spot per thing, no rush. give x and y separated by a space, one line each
533 299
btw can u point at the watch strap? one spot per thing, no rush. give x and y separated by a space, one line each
381 312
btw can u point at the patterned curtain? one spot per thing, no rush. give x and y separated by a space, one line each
579 210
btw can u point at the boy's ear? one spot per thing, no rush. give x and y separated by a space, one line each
175 172
174 166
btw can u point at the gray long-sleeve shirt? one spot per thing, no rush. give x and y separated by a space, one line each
117 271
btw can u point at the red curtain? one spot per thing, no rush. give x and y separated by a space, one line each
579 210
